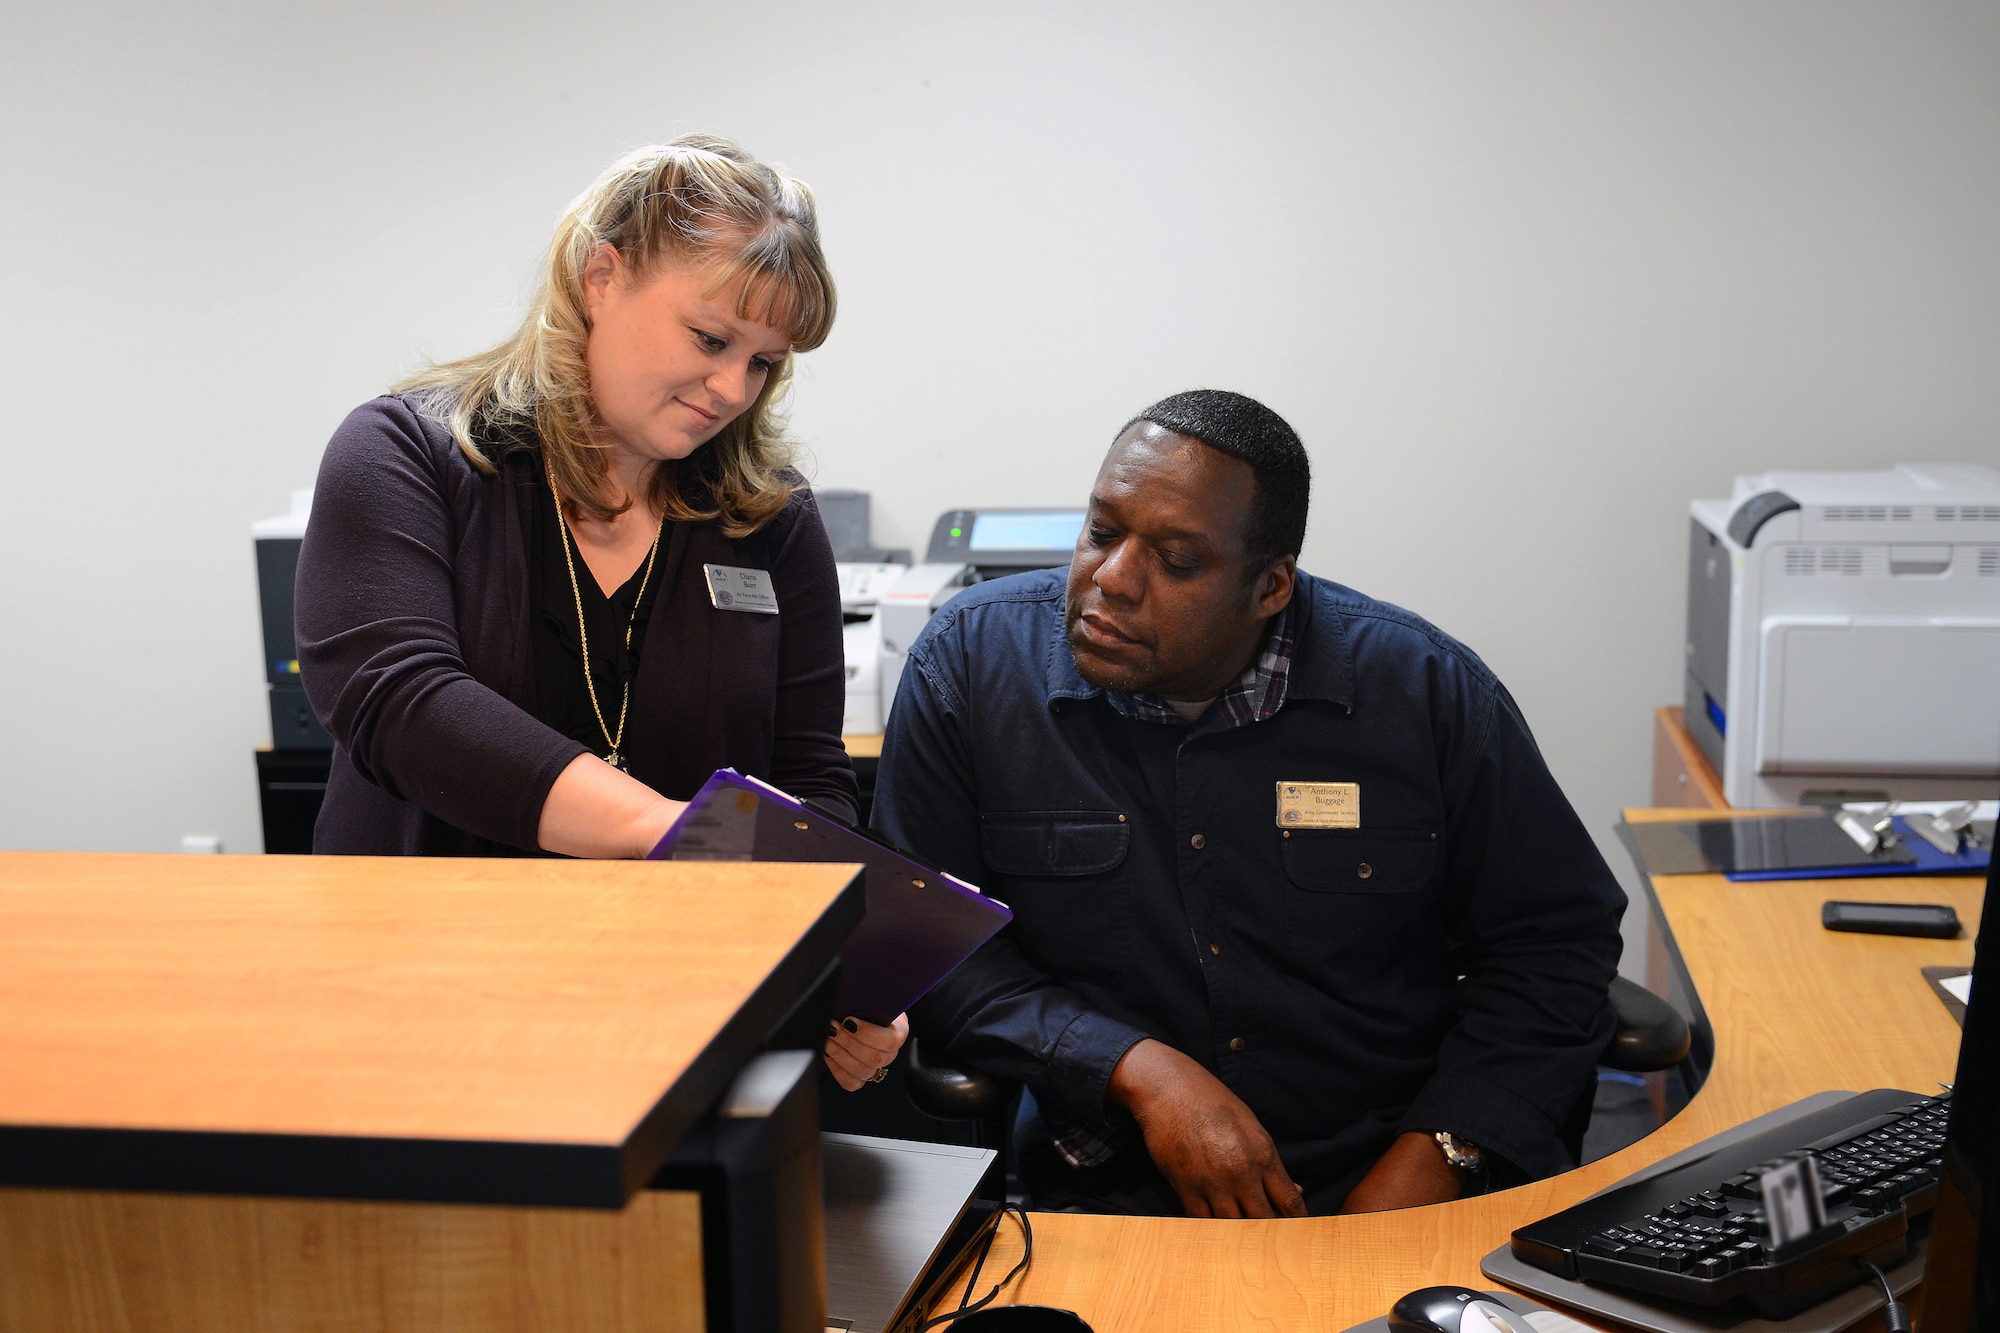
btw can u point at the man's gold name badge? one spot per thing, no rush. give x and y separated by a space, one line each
1319 805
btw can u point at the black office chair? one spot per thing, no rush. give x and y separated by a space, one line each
1651 1036
946 1090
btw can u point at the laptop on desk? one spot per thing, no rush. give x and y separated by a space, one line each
894 1210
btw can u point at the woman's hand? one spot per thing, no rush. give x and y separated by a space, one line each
859 1052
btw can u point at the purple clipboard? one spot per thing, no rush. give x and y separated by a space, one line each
921 922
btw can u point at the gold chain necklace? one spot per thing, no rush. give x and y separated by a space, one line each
616 742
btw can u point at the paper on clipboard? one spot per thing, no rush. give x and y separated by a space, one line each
921 922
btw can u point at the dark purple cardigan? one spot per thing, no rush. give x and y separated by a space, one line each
414 648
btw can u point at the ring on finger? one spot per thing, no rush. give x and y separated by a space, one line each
879 1074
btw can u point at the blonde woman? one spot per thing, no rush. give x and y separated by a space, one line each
504 606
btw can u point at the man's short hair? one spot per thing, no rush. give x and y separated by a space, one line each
1244 428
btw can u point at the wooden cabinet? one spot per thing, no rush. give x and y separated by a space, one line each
1682 777
268 1092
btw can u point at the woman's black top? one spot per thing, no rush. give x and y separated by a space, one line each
432 648
561 698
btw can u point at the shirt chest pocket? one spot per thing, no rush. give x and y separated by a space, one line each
1054 844
1371 861
1058 870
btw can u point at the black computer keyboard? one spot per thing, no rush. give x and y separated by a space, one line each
1696 1235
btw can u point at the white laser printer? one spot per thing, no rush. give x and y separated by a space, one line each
968 546
862 587
1843 635
866 573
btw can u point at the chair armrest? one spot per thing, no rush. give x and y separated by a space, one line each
1651 1036
945 1090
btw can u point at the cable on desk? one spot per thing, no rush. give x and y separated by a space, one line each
1027 1253
1895 1314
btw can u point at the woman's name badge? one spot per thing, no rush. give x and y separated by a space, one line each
1319 805
734 589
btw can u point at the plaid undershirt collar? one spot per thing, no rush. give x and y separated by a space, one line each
1254 696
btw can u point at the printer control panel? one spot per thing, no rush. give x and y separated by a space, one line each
1008 539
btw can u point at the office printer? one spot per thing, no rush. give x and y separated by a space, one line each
1843 635
293 725
866 573
968 546
862 587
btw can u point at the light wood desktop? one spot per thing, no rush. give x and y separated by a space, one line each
1795 1010
545 1029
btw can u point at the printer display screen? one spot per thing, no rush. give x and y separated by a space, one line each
1053 531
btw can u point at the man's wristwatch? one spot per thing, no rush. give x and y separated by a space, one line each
1463 1155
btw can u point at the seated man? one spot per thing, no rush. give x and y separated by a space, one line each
1302 921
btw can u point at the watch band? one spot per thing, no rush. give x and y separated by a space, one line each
1462 1154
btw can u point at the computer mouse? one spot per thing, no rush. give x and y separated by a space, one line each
1454 1310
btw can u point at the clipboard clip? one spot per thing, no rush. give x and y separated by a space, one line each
1870 831
1946 829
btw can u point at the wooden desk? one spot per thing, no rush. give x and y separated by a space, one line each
1795 1009
344 1092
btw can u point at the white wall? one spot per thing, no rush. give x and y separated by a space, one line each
1526 276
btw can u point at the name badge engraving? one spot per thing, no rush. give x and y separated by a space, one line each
1319 805
734 589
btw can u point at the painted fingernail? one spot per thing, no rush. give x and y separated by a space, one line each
852 1025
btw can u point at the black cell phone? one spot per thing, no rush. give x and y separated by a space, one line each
1933 920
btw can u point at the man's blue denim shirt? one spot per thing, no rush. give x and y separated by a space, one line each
1444 966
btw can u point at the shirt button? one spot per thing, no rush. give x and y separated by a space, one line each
1197 842
1236 1043
1364 870
1213 947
